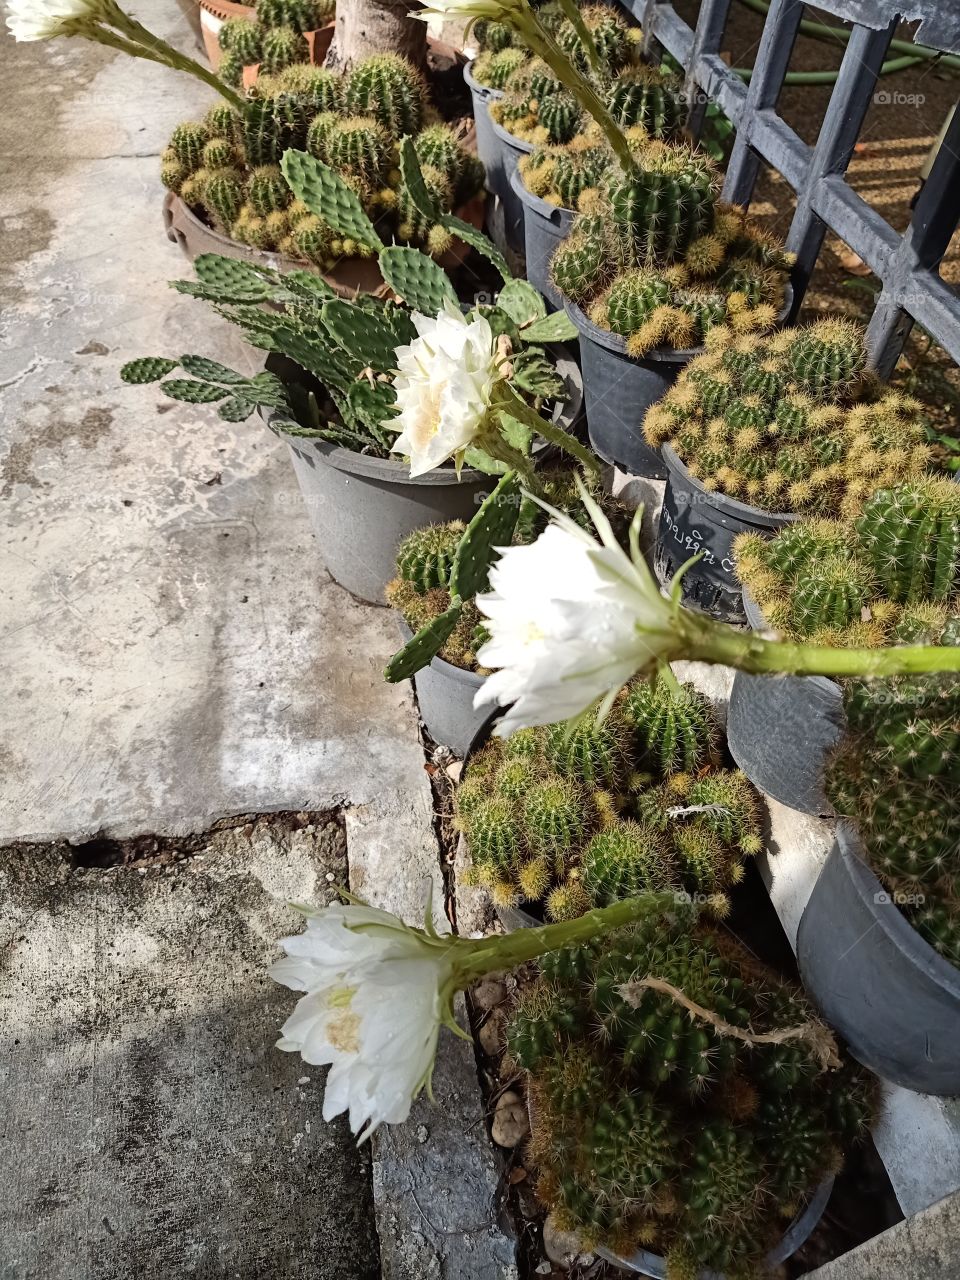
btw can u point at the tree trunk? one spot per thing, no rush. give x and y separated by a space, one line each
365 27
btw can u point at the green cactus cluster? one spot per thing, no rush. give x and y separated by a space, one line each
655 1126
888 575
812 434
353 123
655 257
895 774
272 40
598 813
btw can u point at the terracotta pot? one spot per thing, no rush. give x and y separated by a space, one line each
213 13
349 277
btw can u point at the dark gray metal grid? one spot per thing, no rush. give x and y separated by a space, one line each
906 264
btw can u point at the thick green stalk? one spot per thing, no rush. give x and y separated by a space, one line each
542 43
753 654
137 41
490 955
573 14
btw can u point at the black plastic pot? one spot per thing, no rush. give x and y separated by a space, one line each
891 996
617 392
445 695
780 729
800 1230
544 226
507 228
695 520
488 147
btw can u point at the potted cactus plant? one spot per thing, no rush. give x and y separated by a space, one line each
688 1112
567 819
535 107
889 576
274 35
573 159
227 193
759 431
421 594
332 391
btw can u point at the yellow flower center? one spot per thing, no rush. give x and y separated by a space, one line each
343 1031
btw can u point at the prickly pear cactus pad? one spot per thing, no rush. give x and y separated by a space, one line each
683 1099
599 813
226 167
793 422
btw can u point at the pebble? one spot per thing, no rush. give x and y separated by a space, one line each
489 993
561 1247
511 1124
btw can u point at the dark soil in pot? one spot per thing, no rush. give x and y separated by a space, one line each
544 226
698 521
780 729
891 996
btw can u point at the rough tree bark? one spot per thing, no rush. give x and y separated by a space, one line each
376 26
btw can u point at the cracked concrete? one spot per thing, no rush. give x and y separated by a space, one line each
175 654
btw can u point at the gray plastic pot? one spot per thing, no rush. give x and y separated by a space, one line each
618 391
544 226
445 694
361 507
780 729
891 996
488 146
509 233
798 1233
697 520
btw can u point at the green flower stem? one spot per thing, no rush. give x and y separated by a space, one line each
510 402
475 958
527 25
572 13
713 642
137 41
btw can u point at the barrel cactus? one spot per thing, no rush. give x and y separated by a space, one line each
391 90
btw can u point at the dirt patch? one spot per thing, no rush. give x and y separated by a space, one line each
17 466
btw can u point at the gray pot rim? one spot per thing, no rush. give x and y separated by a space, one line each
559 215
916 951
517 144
440 665
363 464
796 1234
742 510
395 471
481 90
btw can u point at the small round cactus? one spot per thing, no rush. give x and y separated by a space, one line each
187 143
267 190
624 861
677 727
425 557
223 195
281 47
554 819
243 39
391 90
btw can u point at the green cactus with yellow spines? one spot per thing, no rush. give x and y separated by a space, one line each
360 146
494 67
581 264
223 196
243 39
827 358
632 1128
267 191
425 557
676 727
282 47
588 753
555 819
187 143
625 861
390 89
173 172
642 96
559 114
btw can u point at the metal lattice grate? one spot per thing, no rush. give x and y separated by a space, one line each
905 264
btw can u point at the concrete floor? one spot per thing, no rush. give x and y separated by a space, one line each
175 653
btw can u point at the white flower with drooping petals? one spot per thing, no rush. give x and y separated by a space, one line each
570 621
492 10
444 385
44 19
376 997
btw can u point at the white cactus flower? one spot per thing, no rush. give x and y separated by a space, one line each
374 1004
570 621
44 19
444 386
